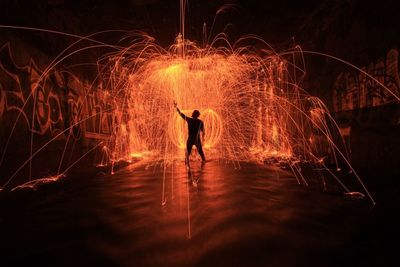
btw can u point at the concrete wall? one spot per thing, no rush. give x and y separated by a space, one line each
37 107
365 34
372 113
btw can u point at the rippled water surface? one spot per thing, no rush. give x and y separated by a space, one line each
222 216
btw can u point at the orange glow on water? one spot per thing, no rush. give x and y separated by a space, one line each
136 155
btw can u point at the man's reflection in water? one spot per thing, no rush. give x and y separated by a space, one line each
195 174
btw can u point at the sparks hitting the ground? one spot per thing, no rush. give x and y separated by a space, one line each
250 97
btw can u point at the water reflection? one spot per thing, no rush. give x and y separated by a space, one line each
213 215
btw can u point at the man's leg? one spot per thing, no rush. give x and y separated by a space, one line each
189 146
200 150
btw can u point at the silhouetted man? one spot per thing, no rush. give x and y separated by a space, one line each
195 126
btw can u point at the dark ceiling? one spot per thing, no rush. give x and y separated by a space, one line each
275 21
356 30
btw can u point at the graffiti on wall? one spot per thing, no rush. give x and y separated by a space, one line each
355 90
57 102
99 109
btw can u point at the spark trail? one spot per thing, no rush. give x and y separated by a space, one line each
249 104
251 101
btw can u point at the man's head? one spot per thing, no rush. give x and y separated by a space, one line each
195 114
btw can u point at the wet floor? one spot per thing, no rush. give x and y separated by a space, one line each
220 215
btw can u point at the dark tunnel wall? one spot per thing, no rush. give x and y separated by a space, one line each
364 34
70 112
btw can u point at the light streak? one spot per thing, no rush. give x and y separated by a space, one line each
251 102
243 98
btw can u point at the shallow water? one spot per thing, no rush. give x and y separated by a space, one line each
254 215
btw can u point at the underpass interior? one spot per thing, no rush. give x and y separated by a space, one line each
300 134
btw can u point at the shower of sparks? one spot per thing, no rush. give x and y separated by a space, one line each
252 107
250 99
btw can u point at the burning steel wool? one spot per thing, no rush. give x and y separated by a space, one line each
249 96
250 106
251 102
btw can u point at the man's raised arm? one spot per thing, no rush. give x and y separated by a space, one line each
179 112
